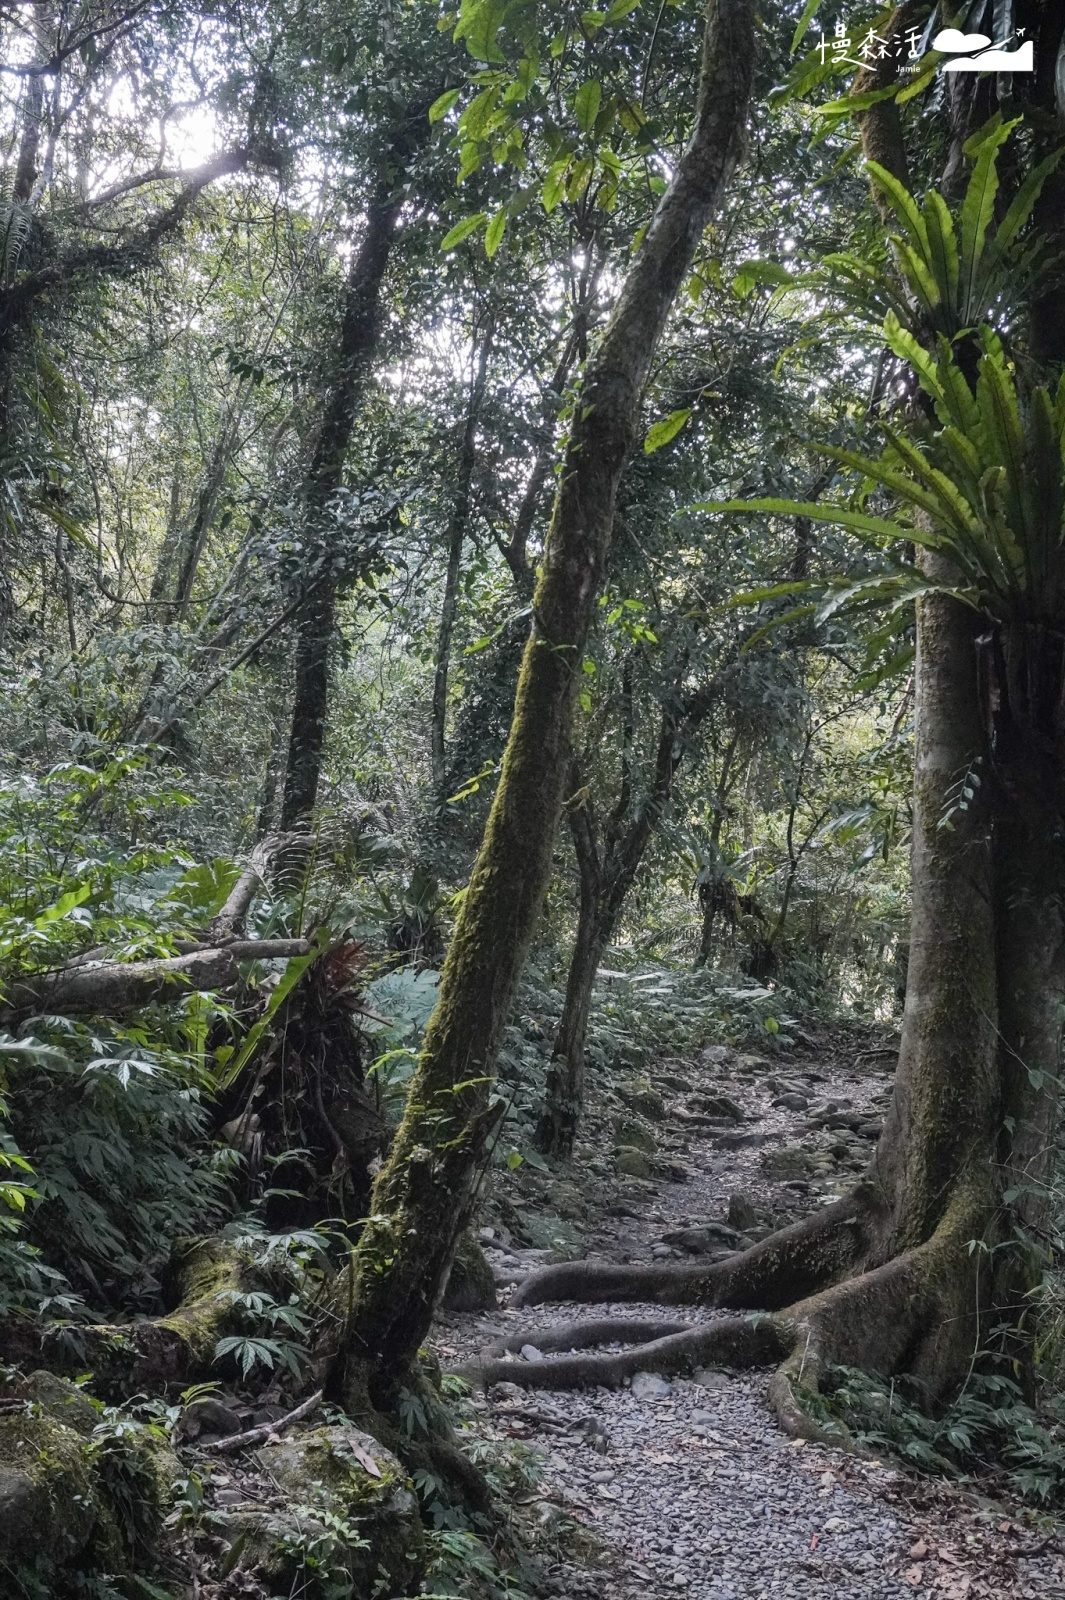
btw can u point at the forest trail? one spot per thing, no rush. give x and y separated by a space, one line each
689 1487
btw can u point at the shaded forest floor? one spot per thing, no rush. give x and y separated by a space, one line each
688 1487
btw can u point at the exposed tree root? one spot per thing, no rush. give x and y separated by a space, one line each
734 1341
157 1353
788 1266
917 1312
583 1335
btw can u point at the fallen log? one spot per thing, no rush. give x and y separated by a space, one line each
113 987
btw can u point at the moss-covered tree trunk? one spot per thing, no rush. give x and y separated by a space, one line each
424 1194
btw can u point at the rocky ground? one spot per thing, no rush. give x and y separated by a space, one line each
688 1487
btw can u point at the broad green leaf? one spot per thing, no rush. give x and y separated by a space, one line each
586 103
978 207
555 184
903 344
292 974
463 229
942 247
479 24
919 276
848 104
902 204
665 430
621 9
493 234
758 273
1020 208
63 906
442 105
579 178
924 77
809 12
878 528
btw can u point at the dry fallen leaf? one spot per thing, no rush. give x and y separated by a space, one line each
914 1576
364 1458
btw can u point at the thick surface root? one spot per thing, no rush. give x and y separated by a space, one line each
734 1341
917 1313
585 1335
788 1266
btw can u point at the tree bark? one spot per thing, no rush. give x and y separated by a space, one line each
458 523
114 988
423 1196
358 342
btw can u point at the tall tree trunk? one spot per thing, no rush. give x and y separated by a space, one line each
458 524
424 1195
358 342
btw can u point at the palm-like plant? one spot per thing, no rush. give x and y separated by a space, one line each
979 474
948 277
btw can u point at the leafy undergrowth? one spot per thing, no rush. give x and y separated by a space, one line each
988 1432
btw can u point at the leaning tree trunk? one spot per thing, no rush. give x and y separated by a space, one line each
424 1194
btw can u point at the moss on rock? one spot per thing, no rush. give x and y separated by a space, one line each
471 1286
74 1492
352 1511
633 1133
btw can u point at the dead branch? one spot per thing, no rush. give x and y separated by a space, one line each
240 1441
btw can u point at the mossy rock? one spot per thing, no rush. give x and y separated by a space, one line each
633 1163
346 1519
47 1509
791 1162
73 1492
753 1066
471 1286
633 1133
544 1230
640 1094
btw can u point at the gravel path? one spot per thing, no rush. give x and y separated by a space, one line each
689 1486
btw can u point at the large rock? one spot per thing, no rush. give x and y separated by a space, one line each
720 1105
640 1094
73 1491
791 1162
633 1163
471 1286
633 1133
354 1516
703 1237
